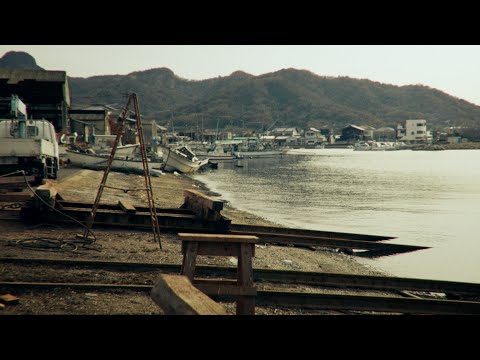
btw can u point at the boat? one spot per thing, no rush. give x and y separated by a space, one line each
217 153
181 159
124 150
378 146
82 159
260 153
361 146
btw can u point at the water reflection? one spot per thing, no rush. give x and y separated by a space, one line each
425 198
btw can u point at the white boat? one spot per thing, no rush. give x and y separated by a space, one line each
95 160
181 159
378 146
124 150
260 153
217 153
361 146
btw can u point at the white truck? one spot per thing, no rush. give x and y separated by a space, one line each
29 145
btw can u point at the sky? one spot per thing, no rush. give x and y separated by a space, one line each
454 69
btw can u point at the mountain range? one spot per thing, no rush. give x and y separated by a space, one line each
288 97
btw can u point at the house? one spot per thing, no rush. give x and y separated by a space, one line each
414 132
352 133
286 131
90 120
384 134
285 140
45 93
368 132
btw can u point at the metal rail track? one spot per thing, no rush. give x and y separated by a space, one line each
304 300
185 221
280 276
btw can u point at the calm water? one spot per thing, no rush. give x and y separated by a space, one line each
429 198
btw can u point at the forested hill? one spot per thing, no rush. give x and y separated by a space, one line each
286 97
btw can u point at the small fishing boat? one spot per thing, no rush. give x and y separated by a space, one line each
181 159
80 159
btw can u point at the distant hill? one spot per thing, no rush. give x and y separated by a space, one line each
19 60
286 97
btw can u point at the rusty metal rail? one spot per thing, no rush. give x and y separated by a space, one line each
186 220
278 276
303 300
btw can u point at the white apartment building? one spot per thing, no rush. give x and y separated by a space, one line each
414 132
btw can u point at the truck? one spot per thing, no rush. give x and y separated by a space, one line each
28 144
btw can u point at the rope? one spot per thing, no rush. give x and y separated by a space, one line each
51 244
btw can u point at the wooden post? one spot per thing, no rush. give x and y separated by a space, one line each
245 304
189 259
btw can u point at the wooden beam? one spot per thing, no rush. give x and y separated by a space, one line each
223 238
203 206
16 180
9 197
48 192
206 201
127 206
176 295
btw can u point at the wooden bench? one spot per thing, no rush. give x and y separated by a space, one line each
240 246
176 295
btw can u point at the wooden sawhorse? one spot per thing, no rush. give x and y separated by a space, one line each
241 246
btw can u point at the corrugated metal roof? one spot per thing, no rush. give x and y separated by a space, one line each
16 75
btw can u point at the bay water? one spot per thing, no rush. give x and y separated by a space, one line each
427 198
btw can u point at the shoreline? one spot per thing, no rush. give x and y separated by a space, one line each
130 245
335 262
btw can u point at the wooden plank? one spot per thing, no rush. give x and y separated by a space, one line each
224 238
127 206
20 180
9 197
216 249
176 295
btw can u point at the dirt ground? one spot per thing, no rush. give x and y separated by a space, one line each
136 246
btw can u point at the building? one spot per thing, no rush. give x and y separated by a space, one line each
45 93
384 134
285 131
414 132
367 132
352 133
90 120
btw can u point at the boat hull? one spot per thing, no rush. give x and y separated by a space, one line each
90 160
177 162
260 154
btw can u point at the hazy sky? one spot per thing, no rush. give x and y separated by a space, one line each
454 69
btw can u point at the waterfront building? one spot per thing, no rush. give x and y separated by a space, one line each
414 132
